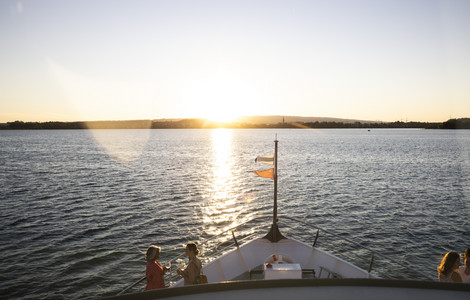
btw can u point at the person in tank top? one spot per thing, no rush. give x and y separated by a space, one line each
192 271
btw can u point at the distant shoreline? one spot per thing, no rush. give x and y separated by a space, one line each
463 123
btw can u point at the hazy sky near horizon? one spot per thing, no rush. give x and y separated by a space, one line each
115 60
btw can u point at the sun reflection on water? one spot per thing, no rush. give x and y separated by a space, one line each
221 207
222 171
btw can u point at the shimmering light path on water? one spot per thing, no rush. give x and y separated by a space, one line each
79 208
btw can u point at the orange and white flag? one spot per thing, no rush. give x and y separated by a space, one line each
269 173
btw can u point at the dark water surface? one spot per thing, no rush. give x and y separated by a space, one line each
78 208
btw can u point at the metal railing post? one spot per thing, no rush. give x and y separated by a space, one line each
235 239
371 262
316 237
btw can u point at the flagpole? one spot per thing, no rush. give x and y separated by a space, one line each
274 235
275 182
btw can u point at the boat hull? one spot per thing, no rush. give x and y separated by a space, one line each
324 289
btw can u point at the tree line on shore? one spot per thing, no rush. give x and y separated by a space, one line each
463 123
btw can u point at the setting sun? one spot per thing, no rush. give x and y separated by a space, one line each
218 99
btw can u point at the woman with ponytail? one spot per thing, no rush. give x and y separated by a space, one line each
192 271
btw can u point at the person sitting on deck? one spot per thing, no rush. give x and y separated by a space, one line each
447 271
192 271
465 269
154 271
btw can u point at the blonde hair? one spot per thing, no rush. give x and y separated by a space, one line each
193 248
152 252
447 263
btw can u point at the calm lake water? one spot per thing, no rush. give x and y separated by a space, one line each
79 208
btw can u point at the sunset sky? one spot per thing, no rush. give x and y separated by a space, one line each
124 60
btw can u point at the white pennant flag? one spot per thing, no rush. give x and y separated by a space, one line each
267 159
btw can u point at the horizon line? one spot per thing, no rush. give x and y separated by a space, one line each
237 120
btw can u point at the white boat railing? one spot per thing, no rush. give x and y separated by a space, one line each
373 252
236 242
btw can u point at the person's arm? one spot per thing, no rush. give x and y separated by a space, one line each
456 277
184 273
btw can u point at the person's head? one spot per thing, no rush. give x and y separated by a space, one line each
153 253
191 249
450 262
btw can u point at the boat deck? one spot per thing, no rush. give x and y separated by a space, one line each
243 263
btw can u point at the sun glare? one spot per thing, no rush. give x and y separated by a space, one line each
222 118
218 99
